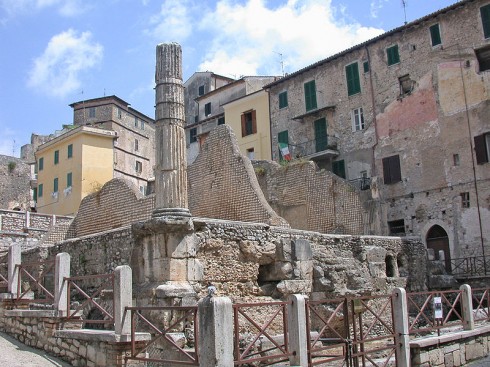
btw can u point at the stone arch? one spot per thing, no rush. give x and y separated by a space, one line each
438 240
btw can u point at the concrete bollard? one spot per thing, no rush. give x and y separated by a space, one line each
61 271
215 332
400 325
297 330
467 307
123 293
14 259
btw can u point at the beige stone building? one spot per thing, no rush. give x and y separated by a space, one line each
404 115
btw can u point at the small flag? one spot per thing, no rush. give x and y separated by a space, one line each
284 148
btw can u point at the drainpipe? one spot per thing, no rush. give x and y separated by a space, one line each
373 108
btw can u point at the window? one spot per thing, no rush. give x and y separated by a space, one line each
406 84
338 167
251 153
397 227
353 82
136 145
119 113
56 156
435 35
365 66
69 181
391 170
135 121
482 148
201 90
249 123
321 137
70 151
40 190
41 164
207 109
193 135
283 99
310 95
221 120
485 19
91 112
392 54
483 57
142 124
283 143
196 118
139 167
357 118
456 159
465 199
55 185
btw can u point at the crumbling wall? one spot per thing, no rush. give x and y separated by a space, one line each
311 199
15 177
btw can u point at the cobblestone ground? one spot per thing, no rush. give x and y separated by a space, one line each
484 362
15 354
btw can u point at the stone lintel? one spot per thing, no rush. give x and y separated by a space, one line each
164 224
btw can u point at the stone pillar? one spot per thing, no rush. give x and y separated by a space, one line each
297 330
467 307
14 259
215 332
170 150
400 325
123 297
61 271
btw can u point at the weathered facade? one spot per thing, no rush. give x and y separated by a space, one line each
15 183
405 115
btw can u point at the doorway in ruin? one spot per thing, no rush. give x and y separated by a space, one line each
438 240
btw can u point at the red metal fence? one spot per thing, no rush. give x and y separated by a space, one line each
260 333
173 332
35 282
481 302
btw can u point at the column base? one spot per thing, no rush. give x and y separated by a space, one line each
171 212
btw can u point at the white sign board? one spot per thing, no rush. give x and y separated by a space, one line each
437 308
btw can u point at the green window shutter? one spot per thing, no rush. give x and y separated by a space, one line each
393 56
485 19
69 181
56 156
55 185
41 164
310 95
70 150
353 81
365 66
283 99
34 193
40 190
435 35
321 139
283 137
338 167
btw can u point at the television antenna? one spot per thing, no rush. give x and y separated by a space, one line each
282 62
404 4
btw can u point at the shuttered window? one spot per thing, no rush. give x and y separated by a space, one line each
485 19
70 150
249 123
55 185
69 180
56 156
392 54
338 167
207 109
353 81
482 148
310 95
391 170
435 35
283 99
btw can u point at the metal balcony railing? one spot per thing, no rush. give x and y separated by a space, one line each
362 183
312 147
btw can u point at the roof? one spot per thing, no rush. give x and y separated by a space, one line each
101 99
218 76
371 41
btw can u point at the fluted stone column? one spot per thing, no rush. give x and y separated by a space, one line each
170 151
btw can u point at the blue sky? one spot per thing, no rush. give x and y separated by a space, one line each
56 52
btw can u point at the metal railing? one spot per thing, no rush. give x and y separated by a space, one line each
163 347
88 291
35 282
311 147
470 266
362 183
481 304
431 312
255 325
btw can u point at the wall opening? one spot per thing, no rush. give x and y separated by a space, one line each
438 240
391 268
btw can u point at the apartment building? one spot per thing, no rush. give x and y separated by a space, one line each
404 117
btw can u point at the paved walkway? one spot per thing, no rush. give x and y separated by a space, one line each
15 354
484 362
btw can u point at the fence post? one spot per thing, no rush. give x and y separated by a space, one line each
14 259
297 330
400 325
123 297
467 307
61 271
215 332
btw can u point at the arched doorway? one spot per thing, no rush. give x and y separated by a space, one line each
438 240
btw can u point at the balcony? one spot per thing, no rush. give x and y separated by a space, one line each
315 149
362 183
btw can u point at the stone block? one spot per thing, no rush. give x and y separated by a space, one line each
474 351
195 270
175 290
276 272
91 354
457 358
284 250
287 287
301 250
448 360
436 357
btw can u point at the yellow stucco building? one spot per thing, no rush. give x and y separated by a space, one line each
71 166
248 116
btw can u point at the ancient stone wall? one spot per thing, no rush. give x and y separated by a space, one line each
311 199
15 177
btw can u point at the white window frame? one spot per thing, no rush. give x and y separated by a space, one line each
357 118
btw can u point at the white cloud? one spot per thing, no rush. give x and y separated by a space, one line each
248 37
172 23
376 6
68 54
67 8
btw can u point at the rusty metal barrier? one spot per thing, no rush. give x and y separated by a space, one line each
260 333
35 282
90 296
166 325
481 304
351 332
433 311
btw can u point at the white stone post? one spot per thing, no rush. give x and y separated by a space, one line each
297 330
14 259
61 271
123 297
400 325
215 332
467 307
